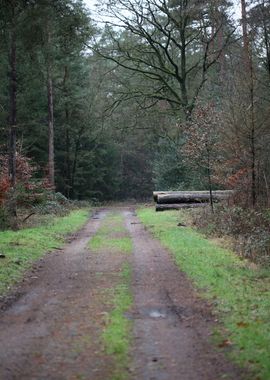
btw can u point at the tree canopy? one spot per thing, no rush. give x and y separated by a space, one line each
107 111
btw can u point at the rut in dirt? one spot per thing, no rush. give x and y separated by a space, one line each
172 325
53 331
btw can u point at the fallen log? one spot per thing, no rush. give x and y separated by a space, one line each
178 192
192 197
156 193
167 207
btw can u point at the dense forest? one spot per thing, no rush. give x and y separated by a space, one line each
102 108
166 95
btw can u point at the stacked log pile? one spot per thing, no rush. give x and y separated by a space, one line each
175 200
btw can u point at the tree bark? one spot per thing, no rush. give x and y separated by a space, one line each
196 197
210 181
51 170
245 33
67 136
13 108
12 200
249 70
221 194
74 164
167 207
266 38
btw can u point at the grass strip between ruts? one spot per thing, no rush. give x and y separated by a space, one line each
122 244
112 235
113 239
241 293
23 247
117 334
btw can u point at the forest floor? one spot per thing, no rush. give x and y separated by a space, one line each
110 305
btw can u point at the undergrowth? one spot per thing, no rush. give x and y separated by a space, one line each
248 228
23 247
239 291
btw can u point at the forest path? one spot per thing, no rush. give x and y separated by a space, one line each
172 325
53 331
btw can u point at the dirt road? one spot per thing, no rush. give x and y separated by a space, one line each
53 330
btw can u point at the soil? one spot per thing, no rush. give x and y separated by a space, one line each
50 327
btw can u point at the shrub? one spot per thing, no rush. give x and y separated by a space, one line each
249 229
55 204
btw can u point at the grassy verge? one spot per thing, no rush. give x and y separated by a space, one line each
116 335
23 247
240 292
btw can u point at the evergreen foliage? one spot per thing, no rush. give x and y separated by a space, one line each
123 98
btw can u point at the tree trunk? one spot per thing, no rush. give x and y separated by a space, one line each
67 157
250 75
210 181
13 109
51 173
266 38
67 137
183 84
74 164
267 189
245 33
253 155
12 200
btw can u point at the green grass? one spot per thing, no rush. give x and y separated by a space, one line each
114 238
123 244
116 335
23 247
107 236
241 293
